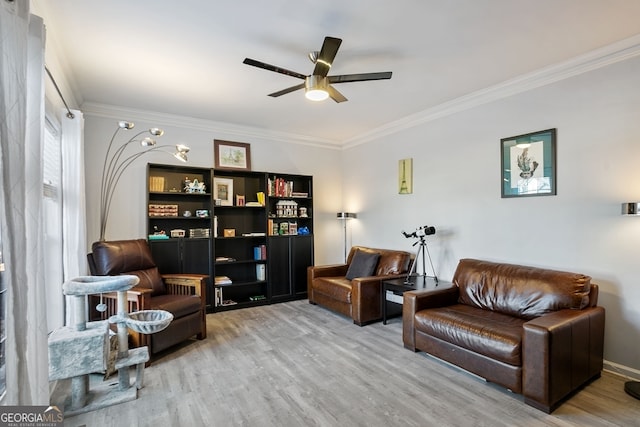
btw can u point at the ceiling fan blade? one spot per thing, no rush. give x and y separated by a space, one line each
335 95
270 67
325 57
345 78
287 90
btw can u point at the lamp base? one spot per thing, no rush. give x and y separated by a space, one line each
632 388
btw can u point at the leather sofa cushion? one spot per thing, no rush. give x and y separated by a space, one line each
338 288
178 305
525 292
492 334
363 264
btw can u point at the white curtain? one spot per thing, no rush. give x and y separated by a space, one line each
21 135
74 234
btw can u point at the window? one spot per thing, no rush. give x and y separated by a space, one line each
52 223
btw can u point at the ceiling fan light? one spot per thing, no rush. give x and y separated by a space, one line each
315 88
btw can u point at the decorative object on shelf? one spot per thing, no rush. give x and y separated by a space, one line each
632 388
528 164
303 231
202 213
405 176
163 210
223 191
186 214
115 164
232 155
177 233
239 200
344 216
199 233
229 232
194 186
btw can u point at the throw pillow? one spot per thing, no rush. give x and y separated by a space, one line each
363 264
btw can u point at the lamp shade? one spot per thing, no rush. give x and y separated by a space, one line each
631 208
346 215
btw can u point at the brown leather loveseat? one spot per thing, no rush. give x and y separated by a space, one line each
534 331
357 297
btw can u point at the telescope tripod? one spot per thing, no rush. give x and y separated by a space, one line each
421 250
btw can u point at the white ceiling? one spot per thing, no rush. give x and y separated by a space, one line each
185 58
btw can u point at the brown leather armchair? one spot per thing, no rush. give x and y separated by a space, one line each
183 295
359 298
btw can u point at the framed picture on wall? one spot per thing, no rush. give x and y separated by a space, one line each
231 155
528 164
405 176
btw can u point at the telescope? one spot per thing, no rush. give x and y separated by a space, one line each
420 232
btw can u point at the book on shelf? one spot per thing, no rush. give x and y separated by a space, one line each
223 280
217 300
224 259
260 252
279 187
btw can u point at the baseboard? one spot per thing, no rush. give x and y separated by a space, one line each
621 370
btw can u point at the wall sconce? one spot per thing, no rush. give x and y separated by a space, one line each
344 216
114 165
631 208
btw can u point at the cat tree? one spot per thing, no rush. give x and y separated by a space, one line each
77 351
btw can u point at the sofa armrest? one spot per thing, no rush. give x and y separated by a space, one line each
186 284
561 351
414 301
366 298
317 271
334 270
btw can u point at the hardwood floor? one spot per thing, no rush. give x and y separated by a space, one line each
295 364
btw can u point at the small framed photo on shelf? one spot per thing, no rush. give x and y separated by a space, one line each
223 191
202 213
231 155
229 232
528 164
239 200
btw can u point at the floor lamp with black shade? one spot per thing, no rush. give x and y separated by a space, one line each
344 216
632 388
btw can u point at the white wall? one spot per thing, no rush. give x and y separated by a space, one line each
457 181
127 216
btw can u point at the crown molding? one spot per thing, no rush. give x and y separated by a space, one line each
227 129
602 57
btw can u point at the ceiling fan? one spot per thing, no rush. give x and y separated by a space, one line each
318 85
